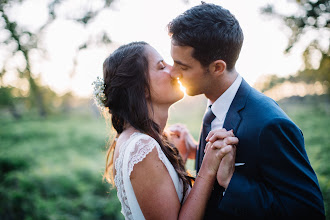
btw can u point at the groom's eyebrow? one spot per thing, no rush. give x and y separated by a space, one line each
180 63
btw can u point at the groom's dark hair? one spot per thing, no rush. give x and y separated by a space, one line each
211 30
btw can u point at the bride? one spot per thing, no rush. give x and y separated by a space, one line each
147 170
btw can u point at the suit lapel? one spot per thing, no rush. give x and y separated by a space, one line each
233 117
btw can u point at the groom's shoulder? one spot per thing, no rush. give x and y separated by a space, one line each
264 105
254 97
257 98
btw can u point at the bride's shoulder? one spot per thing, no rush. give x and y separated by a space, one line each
141 144
143 150
143 139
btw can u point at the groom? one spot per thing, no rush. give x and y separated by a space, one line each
274 178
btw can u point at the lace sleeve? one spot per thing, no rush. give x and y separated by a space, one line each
139 149
130 154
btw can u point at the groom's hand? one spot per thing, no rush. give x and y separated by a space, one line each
180 137
219 139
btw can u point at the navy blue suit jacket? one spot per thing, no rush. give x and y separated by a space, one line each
277 179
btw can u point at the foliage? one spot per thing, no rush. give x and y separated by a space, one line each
268 82
311 15
311 19
5 96
20 42
8 101
322 74
52 169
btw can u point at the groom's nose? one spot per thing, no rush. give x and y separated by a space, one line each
175 73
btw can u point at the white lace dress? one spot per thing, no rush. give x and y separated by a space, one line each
133 151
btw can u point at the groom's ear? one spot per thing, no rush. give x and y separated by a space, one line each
218 67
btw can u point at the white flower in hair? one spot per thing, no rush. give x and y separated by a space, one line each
98 94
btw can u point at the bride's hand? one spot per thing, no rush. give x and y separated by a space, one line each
218 140
222 144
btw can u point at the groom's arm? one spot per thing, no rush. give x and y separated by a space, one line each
287 184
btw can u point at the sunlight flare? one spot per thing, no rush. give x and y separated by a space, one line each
183 89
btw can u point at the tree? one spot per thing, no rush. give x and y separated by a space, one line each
313 19
21 41
7 101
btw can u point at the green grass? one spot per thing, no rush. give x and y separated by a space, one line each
52 168
313 118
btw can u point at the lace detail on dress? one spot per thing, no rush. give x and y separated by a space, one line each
141 149
131 152
119 181
137 152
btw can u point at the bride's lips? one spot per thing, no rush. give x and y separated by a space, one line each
175 83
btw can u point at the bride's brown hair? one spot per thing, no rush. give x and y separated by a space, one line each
126 80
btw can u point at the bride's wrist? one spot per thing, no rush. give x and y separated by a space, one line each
206 175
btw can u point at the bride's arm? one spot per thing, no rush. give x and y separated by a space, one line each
154 188
156 194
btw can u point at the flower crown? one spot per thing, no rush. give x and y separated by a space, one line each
98 94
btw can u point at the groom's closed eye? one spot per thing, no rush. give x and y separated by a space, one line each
181 65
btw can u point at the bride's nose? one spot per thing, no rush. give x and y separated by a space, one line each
168 69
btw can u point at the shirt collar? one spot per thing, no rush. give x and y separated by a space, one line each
221 106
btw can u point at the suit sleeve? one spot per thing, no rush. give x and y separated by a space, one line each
286 183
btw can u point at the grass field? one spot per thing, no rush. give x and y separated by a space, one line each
52 168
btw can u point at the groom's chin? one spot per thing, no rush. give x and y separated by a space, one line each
181 95
191 93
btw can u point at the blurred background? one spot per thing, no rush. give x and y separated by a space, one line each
53 139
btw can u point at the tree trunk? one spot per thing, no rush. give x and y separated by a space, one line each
35 92
14 112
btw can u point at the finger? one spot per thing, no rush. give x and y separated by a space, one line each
232 131
177 127
175 131
183 135
215 131
173 136
220 135
208 144
218 144
232 153
179 132
231 140
224 151
211 133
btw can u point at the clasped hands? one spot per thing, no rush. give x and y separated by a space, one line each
220 150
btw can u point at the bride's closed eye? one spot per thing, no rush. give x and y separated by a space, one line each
162 65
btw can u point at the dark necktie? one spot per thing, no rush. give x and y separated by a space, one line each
208 118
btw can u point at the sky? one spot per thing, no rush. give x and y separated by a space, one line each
265 39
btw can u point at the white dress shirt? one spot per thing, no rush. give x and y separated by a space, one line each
221 106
